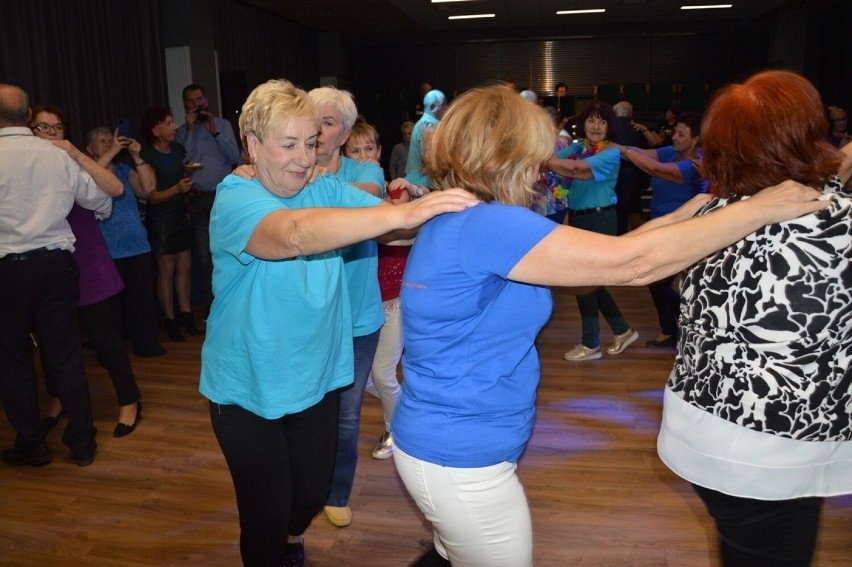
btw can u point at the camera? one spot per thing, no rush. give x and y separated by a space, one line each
200 116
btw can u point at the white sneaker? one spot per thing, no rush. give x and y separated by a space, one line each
622 341
384 448
582 352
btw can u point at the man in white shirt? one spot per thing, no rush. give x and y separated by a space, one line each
39 183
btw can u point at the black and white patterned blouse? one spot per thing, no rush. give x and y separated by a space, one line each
766 328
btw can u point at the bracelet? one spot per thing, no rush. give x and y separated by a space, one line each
419 191
626 153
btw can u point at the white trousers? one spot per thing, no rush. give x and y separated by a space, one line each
388 353
480 516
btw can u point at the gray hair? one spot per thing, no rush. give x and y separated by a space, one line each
14 104
340 100
623 109
95 132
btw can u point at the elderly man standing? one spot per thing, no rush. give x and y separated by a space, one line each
209 140
434 106
39 183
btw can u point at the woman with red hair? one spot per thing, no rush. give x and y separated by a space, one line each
756 411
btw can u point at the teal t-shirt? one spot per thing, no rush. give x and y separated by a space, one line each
279 334
361 261
471 366
599 191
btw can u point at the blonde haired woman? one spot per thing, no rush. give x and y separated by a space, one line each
279 335
474 298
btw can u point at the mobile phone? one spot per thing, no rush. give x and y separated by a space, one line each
128 128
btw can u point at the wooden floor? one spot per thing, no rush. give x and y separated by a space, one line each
162 496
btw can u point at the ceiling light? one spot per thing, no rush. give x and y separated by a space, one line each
707 7
591 11
470 16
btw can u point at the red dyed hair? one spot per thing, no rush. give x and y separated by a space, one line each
763 131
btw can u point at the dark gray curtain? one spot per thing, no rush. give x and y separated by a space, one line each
263 46
99 60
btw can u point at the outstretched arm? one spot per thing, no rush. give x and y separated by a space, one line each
573 257
290 233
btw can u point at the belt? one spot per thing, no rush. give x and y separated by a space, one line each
593 210
37 253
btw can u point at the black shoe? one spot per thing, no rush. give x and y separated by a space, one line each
431 559
86 457
53 421
122 429
188 324
670 342
40 456
294 554
173 330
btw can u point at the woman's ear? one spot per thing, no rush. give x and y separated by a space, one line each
252 142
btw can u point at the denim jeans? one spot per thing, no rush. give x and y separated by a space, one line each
350 421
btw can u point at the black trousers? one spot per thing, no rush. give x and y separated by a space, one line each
40 294
281 469
135 309
97 320
667 302
763 533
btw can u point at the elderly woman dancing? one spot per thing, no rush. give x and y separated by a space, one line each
279 338
757 408
474 298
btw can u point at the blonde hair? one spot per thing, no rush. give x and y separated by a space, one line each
361 130
491 142
272 103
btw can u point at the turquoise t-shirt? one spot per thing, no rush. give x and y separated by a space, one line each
361 261
279 334
599 191
470 363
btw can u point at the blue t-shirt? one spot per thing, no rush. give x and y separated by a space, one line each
279 334
124 233
599 191
668 196
361 261
471 366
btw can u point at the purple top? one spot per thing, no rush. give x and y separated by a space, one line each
99 279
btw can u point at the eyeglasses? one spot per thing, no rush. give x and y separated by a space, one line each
45 128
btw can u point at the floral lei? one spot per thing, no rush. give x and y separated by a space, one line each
560 186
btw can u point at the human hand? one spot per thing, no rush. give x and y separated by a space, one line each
688 209
184 185
132 146
399 183
246 171
319 171
698 164
787 200
415 213
68 148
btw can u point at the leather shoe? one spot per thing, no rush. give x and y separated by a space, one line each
53 420
294 554
36 458
670 342
86 457
122 429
